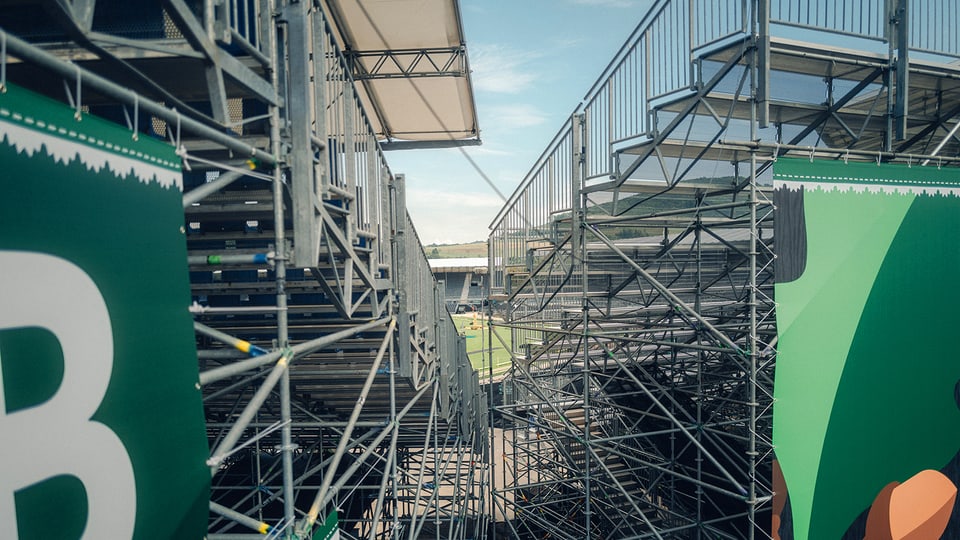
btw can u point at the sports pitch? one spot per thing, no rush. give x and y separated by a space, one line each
480 345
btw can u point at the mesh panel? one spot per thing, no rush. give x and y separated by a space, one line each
170 30
159 126
235 107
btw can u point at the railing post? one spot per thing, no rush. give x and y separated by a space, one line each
350 158
763 62
320 73
577 153
900 20
691 42
398 218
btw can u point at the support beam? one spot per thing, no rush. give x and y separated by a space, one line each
242 519
408 63
203 191
952 114
305 193
835 106
667 293
310 520
239 344
428 145
29 53
217 90
226 446
194 32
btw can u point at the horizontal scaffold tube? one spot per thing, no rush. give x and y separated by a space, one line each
821 151
306 347
197 309
209 188
237 343
239 258
33 54
242 519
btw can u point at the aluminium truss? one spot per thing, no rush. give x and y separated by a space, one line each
332 377
634 265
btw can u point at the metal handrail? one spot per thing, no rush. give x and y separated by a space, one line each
659 58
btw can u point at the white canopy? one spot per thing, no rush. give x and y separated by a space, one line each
411 65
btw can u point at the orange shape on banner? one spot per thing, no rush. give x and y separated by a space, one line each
917 509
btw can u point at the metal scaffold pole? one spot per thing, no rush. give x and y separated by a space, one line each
752 285
488 474
286 443
579 229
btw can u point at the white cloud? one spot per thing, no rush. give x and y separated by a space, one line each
516 116
487 150
501 69
443 217
437 199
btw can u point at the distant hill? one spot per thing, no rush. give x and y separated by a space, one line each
456 251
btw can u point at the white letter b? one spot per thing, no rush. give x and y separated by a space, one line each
58 437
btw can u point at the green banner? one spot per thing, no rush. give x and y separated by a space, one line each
102 422
330 530
867 372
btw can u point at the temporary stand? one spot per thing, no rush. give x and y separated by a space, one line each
336 390
634 266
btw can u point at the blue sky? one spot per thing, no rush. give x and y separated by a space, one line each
532 62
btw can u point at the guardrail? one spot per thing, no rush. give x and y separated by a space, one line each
237 22
357 173
931 23
356 169
658 60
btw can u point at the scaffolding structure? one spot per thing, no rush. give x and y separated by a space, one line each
332 375
633 268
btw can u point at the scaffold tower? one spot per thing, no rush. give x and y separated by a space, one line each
334 382
633 268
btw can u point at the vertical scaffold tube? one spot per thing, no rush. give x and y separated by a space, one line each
280 248
752 344
579 157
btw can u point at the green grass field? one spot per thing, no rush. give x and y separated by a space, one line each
478 342
448 251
